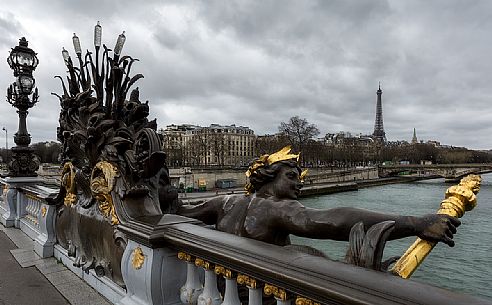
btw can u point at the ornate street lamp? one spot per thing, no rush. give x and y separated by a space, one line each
23 61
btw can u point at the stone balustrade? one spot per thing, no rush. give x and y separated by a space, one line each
171 259
24 206
175 260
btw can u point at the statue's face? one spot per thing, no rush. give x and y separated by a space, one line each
287 184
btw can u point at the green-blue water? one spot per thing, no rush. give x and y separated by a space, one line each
467 267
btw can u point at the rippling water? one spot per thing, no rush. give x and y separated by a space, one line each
467 267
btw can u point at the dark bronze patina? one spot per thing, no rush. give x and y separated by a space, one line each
271 213
114 167
23 61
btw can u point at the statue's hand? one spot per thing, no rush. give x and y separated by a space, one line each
436 227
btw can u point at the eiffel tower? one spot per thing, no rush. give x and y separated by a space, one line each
379 134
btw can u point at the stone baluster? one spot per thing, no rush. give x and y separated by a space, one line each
210 295
193 287
231 296
32 209
22 202
32 206
254 292
9 217
37 212
279 294
28 201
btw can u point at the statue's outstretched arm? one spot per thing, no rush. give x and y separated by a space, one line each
206 211
336 223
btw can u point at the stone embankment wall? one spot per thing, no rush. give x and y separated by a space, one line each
193 177
320 176
315 176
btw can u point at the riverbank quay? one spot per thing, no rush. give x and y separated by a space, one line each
27 279
313 189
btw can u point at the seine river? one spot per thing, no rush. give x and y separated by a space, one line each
467 267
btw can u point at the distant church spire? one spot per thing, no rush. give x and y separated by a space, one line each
414 138
379 133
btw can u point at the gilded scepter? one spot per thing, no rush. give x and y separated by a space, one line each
458 199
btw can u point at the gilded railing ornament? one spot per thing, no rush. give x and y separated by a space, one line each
458 199
184 256
246 280
138 258
68 182
278 293
220 270
43 211
204 264
103 179
305 301
32 196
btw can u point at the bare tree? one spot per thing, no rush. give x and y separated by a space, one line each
217 148
299 131
269 143
197 150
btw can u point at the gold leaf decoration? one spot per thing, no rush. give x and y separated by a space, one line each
246 280
43 211
138 258
184 256
278 293
458 199
305 301
204 264
103 179
68 182
220 270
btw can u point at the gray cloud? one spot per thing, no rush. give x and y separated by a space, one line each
258 63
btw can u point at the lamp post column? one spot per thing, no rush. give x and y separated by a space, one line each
6 137
23 61
6 145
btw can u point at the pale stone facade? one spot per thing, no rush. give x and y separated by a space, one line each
215 145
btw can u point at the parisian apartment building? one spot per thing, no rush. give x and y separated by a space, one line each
215 145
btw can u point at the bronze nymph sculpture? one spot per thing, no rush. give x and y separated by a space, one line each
270 211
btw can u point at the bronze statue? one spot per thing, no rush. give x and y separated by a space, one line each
114 169
270 211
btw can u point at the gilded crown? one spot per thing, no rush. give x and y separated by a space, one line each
265 160
281 155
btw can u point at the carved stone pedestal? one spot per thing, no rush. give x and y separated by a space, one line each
153 274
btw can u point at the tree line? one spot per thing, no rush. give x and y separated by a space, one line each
48 152
351 151
301 135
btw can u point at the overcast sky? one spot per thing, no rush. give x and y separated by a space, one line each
258 63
